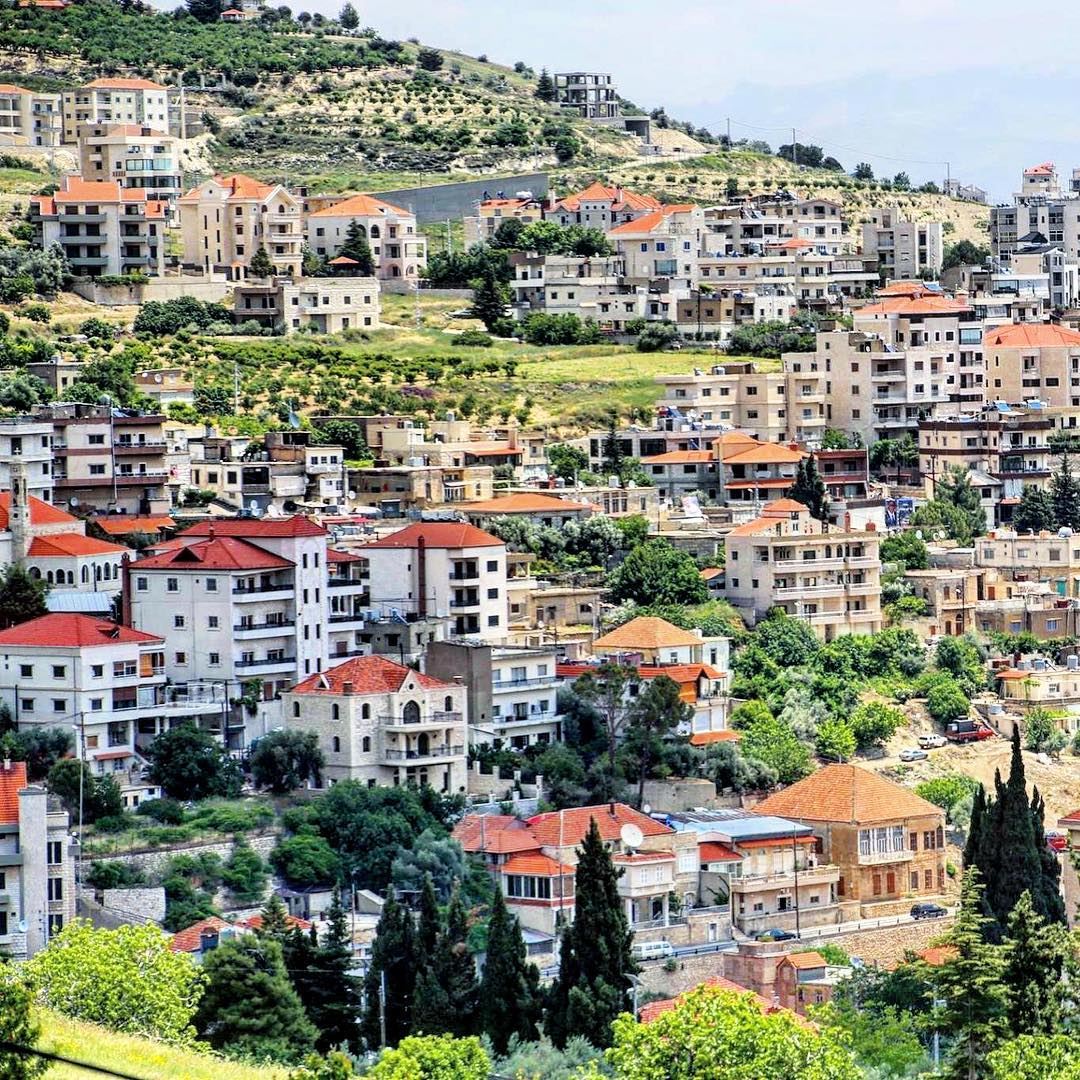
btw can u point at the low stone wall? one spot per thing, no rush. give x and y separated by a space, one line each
675 796
153 860
135 905
167 288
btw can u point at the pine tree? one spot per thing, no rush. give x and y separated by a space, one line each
357 248
809 489
595 956
489 299
301 953
976 827
334 1001
1050 904
430 921
969 997
349 18
1036 510
1065 492
274 918
545 86
508 1000
1036 958
261 264
448 994
22 596
393 965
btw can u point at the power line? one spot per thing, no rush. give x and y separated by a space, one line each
45 1055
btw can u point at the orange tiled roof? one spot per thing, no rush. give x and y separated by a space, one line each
1031 336
1045 169
189 939
474 832
110 83
713 851
706 738
849 794
360 206
782 507
523 502
297 525
438 534
914 305
710 572
653 1009
645 632
73 630
805 960
536 865
648 223
71 545
795 243
254 922
11 88
214 553
122 525
41 512
634 857
570 826
238 186
12 781
763 454
752 528
619 197
368 675
906 288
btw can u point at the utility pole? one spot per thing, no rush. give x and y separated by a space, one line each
382 1008
729 131
795 853
449 239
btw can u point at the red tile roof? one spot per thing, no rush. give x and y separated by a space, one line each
1031 336
763 454
71 545
849 794
41 512
784 507
651 222
536 865
648 633
914 305
438 534
72 630
523 502
214 553
620 198
712 851
706 738
368 675
122 525
111 83
297 525
254 922
189 939
906 288
570 826
1045 169
805 960
12 781
333 555
475 832
360 206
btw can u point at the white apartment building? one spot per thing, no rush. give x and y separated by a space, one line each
748 228
28 118
27 443
225 220
589 287
601 207
511 689
136 156
904 249
384 724
828 577
398 247
442 569
326 305
37 865
665 244
103 228
1041 213
115 101
491 213
350 605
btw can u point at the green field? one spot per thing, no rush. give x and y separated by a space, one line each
134 1056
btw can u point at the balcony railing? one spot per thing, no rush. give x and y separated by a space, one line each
424 755
875 858
248 590
266 662
518 684
434 717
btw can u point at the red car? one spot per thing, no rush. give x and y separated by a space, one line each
1056 841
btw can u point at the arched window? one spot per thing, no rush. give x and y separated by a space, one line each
375 234
366 744
84 574
365 712
49 577
335 712
411 713
337 745
35 573
448 704
71 577
296 708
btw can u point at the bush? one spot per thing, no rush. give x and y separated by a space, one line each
164 811
114 875
473 339
946 700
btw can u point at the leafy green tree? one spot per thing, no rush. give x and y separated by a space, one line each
189 763
809 489
349 18
261 265
1038 964
964 253
127 979
715 1034
429 59
785 640
490 298
100 795
1065 493
863 171
357 248
433 1057
835 439
874 723
343 433
433 856
946 701
948 791
835 739
535 1059
305 860
775 743
567 462
244 874
884 1041
205 11
392 970
955 487
657 573
18 1027
595 958
22 597
962 658
968 993
566 147
657 712
337 1065
545 86
510 985
607 690
1036 511
1036 1057
286 760
250 1008
906 548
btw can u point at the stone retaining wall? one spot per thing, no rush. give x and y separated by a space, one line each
153 860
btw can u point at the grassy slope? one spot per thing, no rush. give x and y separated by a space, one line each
135 1056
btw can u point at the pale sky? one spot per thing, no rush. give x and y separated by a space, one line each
924 81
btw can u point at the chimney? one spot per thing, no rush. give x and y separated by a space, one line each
125 589
348 689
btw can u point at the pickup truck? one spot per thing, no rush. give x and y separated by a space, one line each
967 731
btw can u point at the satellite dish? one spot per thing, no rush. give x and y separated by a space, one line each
253 505
918 533
73 501
158 378
646 809
22 926
631 835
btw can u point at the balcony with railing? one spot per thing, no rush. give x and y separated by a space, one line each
430 753
265 662
435 718
878 858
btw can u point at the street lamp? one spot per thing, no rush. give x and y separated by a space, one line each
635 985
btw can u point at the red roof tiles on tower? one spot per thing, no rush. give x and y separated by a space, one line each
12 781
368 675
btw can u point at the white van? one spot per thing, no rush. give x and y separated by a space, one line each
653 950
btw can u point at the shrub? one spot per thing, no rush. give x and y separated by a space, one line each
164 811
473 338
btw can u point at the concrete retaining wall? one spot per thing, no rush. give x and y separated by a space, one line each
153 860
437 202
172 288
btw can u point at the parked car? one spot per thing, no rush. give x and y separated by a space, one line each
1056 841
931 742
913 753
968 731
653 950
928 911
776 934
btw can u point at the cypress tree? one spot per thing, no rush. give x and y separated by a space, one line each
393 958
809 489
508 1001
1065 492
1036 956
595 956
261 264
545 86
357 248
334 1001
976 827
430 922
1050 904
448 994
489 299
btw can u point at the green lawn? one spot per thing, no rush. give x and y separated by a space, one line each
134 1056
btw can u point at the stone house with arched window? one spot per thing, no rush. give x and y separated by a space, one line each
384 724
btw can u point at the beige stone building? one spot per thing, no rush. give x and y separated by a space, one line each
1017 557
491 213
826 576
396 489
103 228
590 287
887 843
384 724
136 156
397 246
664 244
225 220
28 118
904 249
112 100
601 207
1026 361
328 305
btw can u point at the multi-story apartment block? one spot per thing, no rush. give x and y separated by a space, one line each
601 207
662 245
887 843
103 227
238 600
137 157
590 94
785 558
225 220
384 724
37 865
510 690
1041 213
491 213
711 313
591 287
1033 362
442 569
349 613
115 101
766 222
904 249
326 305
27 445
108 459
396 489
1018 557
399 249
28 118
245 481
